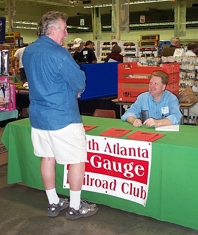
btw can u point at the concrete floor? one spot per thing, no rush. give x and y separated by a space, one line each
23 212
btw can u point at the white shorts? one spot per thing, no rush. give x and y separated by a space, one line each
67 145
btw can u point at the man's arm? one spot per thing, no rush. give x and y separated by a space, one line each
13 61
157 122
92 56
136 122
132 114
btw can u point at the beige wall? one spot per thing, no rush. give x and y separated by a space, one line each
27 11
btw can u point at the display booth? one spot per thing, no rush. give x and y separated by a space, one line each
172 193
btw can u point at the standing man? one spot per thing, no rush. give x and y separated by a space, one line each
161 106
18 55
169 51
55 81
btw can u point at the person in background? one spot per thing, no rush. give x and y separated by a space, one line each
88 52
89 44
18 55
192 49
169 51
115 54
161 105
78 46
86 55
58 136
114 43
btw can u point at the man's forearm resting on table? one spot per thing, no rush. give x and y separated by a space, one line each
131 119
161 122
150 121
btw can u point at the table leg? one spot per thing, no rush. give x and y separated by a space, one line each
188 113
120 110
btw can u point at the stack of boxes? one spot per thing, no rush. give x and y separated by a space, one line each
134 79
149 45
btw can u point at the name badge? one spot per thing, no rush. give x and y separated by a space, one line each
85 52
165 110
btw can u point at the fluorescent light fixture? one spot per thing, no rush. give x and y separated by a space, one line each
82 27
24 27
109 26
100 5
164 23
149 1
106 27
153 24
26 22
130 3
28 25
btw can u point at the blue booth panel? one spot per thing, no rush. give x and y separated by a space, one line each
102 80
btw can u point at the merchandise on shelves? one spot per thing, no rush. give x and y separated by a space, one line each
7 95
133 79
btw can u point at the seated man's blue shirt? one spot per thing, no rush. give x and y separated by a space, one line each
167 107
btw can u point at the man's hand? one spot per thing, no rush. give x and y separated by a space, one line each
137 122
150 122
134 121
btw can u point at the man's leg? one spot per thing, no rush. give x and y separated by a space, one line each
78 208
48 172
56 204
76 176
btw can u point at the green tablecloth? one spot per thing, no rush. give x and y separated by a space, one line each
173 189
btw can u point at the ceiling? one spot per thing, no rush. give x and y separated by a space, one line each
75 2
68 2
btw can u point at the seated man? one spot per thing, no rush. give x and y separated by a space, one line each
162 106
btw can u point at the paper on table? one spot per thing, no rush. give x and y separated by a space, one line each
115 132
167 128
88 127
145 136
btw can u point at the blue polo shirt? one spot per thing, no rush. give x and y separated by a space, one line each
167 107
54 81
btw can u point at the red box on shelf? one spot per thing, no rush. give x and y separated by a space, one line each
132 72
134 79
173 87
